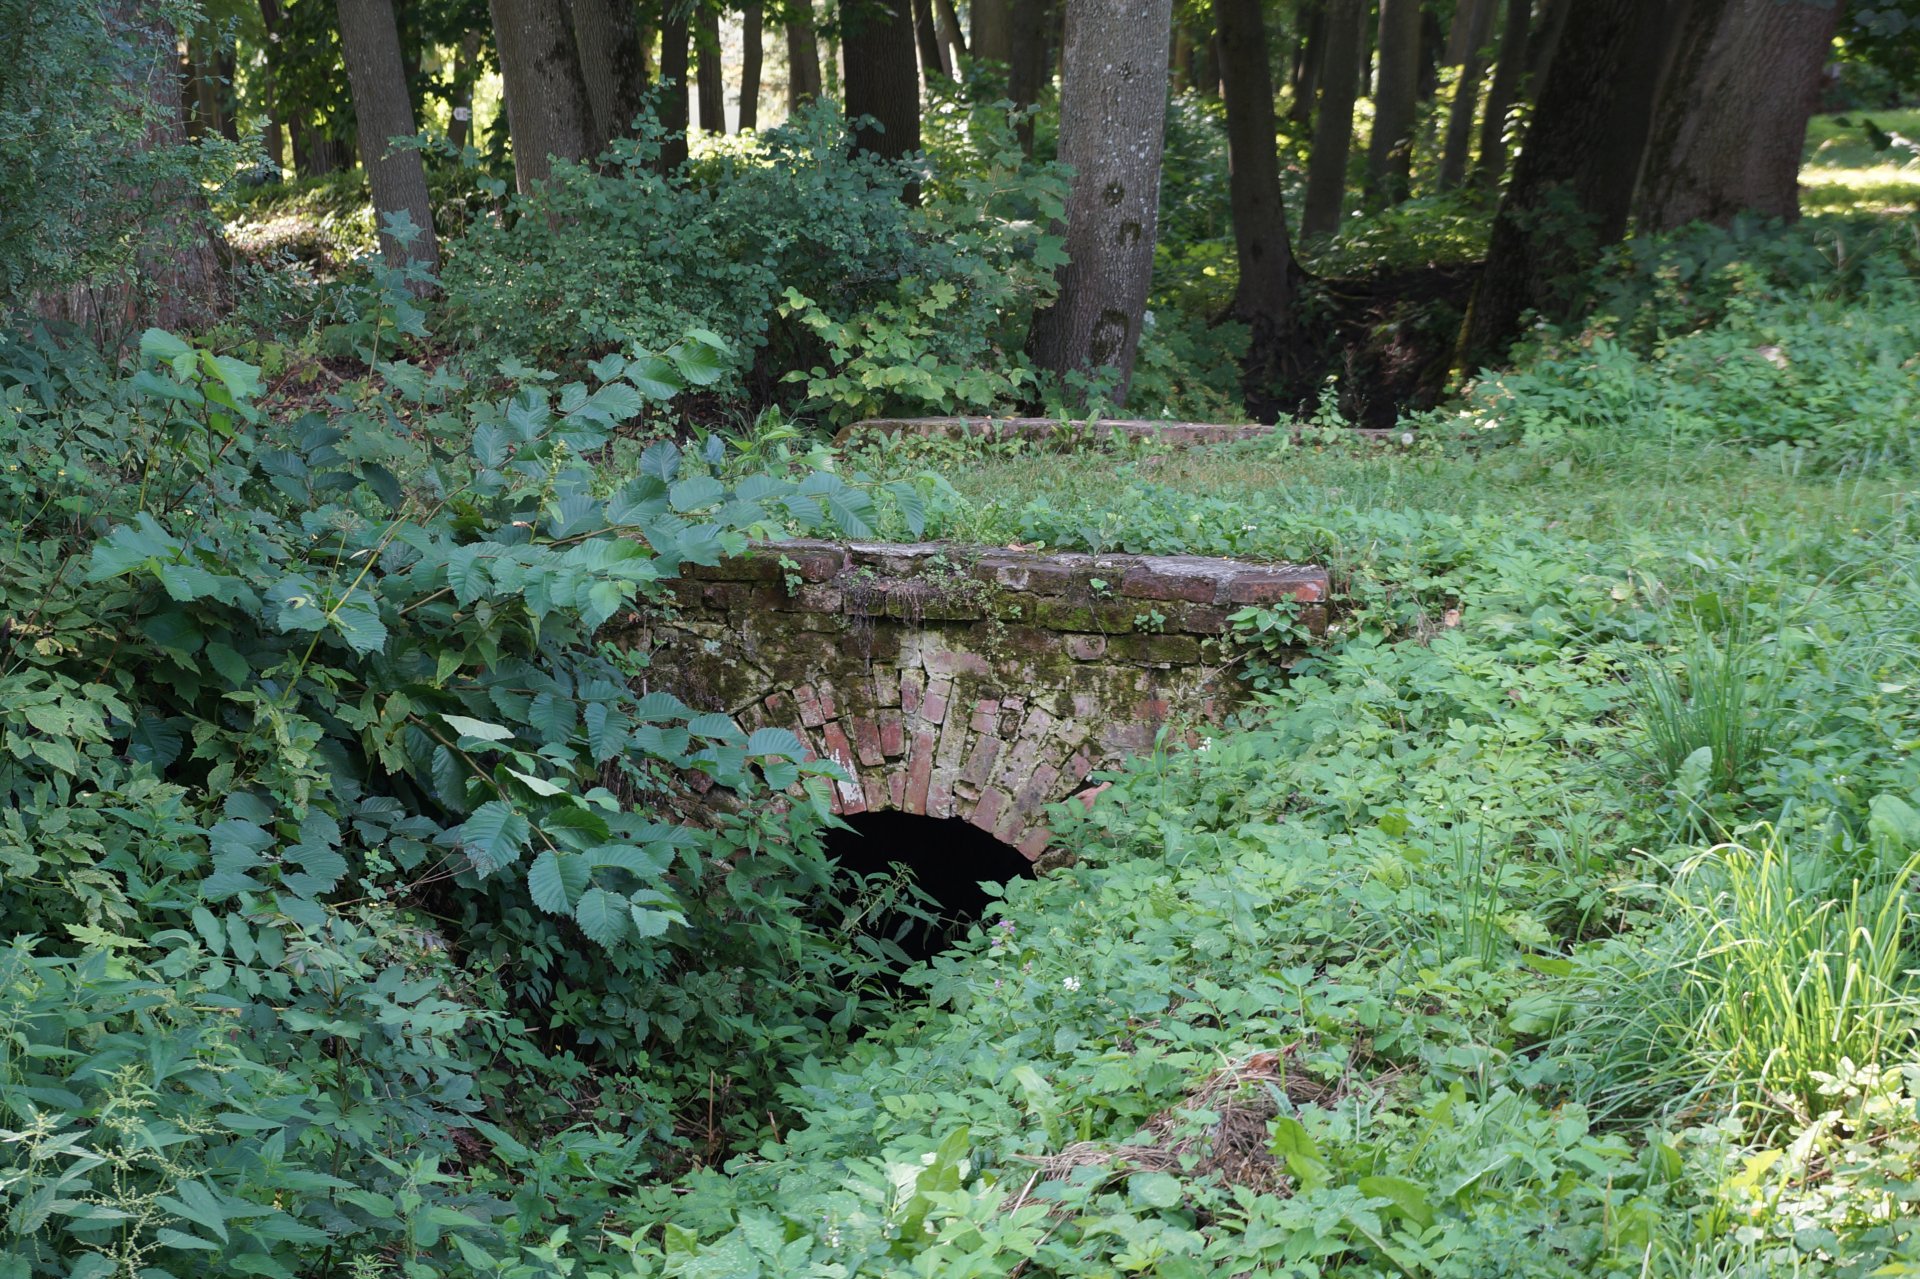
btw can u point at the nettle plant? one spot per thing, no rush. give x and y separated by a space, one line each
296 721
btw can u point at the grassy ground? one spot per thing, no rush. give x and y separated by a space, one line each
1846 172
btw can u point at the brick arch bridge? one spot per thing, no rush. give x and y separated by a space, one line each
970 682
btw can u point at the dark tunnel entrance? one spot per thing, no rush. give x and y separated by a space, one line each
948 858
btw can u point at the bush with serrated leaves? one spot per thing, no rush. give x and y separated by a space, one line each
333 818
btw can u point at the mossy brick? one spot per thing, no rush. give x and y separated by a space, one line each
1100 616
1176 650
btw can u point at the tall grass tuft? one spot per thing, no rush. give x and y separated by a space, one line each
1793 965
1725 703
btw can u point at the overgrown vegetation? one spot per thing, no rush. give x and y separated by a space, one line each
371 910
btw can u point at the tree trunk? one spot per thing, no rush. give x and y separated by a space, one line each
752 23
803 59
1502 93
1615 166
882 82
1113 99
1732 125
1390 156
1031 67
1543 234
1471 26
176 278
933 59
709 72
465 72
370 45
1269 285
948 20
674 34
548 114
1333 118
1546 39
613 66
1312 20
992 39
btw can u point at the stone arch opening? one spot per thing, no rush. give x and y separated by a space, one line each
949 858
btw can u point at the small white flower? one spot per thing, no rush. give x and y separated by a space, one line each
1071 983
462 113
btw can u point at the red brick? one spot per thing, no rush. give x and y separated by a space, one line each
919 773
811 712
948 662
892 734
986 813
1267 586
1148 583
980 762
986 715
1086 648
896 789
866 741
912 687
1079 766
1034 843
933 708
875 786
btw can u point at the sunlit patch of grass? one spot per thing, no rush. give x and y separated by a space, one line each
1884 188
1862 162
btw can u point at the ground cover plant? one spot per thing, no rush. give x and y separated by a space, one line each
374 908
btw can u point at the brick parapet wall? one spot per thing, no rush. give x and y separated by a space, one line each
982 683
1045 430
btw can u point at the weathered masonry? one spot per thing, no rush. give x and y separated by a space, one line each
951 681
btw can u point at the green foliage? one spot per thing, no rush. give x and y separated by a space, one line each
802 250
284 703
77 176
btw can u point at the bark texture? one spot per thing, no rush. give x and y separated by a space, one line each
1268 289
752 24
1730 131
613 66
1113 98
1502 93
992 38
1311 19
882 75
948 21
1390 155
674 34
465 71
1617 164
1333 118
1543 234
1471 26
803 59
370 46
933 55
548 113
178 279
708 71
1032 65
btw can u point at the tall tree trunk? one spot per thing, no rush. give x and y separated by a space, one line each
1545 39
613 66
1501 94
674 35
1731 128
992 39
709 71
1031 66
752 23
803 60
370 46
1390 156
1266 295
176 278
1113 99
1543 234
1312 21
933 60
465 71
1333 118
948 20
882 81
1471 25
1614 168
547 109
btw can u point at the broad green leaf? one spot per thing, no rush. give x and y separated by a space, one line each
478 728
602 916
556 881
493 836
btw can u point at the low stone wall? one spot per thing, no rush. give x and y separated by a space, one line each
1045 430
982 683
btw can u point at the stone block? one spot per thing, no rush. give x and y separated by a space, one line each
979 765
945 661
892 734
990 808
1086 648
919 772
866 742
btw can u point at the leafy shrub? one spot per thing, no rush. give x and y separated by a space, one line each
77 178
284 705
802 250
